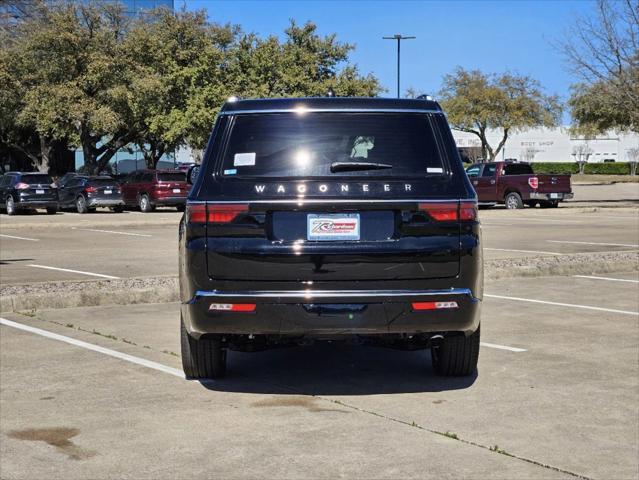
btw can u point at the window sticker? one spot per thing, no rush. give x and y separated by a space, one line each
434 170
230 171
244 159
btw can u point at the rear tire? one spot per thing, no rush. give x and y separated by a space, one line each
550 204
513 201
118 209
52 210
181 208
203 358
456 356
145 204
81 204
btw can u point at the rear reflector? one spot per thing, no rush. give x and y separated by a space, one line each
232 307
214 213
450 212
433 305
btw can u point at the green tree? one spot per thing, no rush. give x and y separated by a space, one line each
179 82
603 52
476 102
79 78
305 64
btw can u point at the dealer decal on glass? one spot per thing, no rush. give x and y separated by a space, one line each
342 226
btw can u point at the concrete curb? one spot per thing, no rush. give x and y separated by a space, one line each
130 291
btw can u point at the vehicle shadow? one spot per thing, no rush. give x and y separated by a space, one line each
7 261
334 369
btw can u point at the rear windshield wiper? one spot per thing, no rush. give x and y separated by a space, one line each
355 166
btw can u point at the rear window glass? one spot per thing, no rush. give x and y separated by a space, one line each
35 179
172 177
518 169
102 182
328 144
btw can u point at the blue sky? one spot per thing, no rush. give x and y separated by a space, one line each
493 36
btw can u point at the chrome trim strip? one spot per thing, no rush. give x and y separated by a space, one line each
313 294
334 200
346 110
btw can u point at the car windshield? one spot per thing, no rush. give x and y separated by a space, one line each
327 144
36 179
172 177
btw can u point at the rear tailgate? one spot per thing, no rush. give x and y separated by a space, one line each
333 241
39 189
554 183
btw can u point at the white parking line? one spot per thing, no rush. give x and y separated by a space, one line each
502 347
75 271
112 231
559 304
522 251
89 346
595 243
607 278
21 238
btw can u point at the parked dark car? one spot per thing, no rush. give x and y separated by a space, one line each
148 189
85 194
330 218
65 178
27 191
516 184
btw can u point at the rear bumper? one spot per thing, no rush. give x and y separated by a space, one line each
104 202
308 312
550 196
37 204
168 201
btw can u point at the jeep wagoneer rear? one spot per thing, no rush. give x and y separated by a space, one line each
330 218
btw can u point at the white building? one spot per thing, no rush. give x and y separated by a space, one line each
554 145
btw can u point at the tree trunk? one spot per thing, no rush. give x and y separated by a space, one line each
46 147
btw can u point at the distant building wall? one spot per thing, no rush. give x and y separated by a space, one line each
554 145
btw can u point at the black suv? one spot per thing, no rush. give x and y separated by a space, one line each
85 194
27 191
330 218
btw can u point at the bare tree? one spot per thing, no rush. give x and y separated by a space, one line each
528 154
603 51
582 153
633 159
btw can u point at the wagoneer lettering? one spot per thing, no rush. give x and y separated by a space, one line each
353 221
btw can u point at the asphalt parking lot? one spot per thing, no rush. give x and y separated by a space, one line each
41 248
555 397
98 392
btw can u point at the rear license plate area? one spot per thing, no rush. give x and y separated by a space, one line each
108 192
332 227
39 192
176 190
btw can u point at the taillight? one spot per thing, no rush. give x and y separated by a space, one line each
224 213
22 186
232 307
468 211
214 213
533 182
433 305
90 189
442 212
447 212
196 213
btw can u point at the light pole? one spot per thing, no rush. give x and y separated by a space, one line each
399 39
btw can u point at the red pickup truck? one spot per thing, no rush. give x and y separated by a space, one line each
515 184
